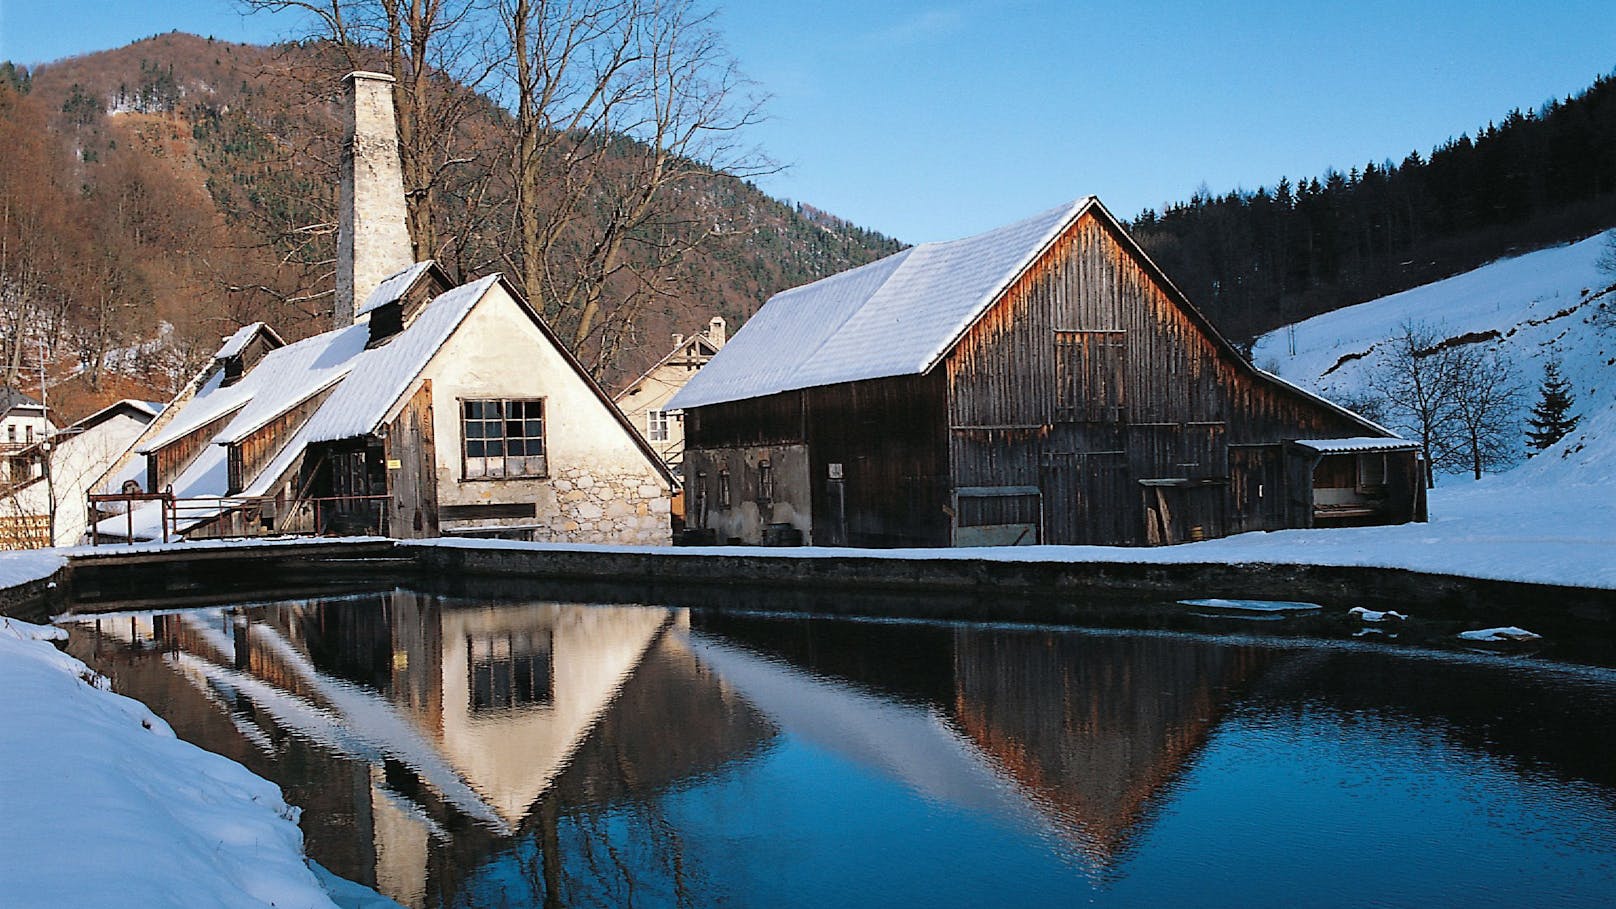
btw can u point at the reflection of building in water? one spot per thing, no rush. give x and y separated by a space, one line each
1090 730
415 718
1096 728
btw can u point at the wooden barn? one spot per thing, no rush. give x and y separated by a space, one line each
1039 383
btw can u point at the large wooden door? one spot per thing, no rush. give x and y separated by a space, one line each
412 469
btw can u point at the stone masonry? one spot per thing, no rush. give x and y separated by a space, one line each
593 506
373 236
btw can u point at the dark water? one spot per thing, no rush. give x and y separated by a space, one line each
452 753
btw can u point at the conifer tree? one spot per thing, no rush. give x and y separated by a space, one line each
1551 417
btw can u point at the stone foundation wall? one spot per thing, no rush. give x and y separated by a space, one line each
594 505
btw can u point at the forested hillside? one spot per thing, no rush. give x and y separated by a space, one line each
1253 261
157 196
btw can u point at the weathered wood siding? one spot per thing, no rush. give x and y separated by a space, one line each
877 472
253 453
410 457
888 437
1088 377
165 464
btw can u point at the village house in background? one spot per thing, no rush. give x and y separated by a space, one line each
1039 383
44 502
22 423
429 408
645 400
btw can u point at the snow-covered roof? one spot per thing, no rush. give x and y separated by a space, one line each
896 316
1360 444
291 375
236 343
212 401
382 374
393 287
144 408
12 399
285 377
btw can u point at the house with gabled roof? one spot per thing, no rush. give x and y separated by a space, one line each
645 400
23 421
1043 382
46 505
429 408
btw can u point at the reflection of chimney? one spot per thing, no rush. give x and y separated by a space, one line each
715 331
373 238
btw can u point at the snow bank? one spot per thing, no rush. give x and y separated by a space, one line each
103 806
25 566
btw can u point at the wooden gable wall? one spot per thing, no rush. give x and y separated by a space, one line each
1089 379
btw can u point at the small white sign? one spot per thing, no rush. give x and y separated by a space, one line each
835 471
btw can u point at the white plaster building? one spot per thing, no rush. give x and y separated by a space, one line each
645 400
49 507
22 423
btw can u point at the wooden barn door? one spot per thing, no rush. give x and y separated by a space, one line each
1257 494
1088 499
412 469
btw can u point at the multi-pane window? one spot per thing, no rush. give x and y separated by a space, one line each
503 438
656 425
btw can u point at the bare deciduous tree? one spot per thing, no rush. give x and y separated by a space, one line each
1459 401
1412 377
1486 400
621 113
621 105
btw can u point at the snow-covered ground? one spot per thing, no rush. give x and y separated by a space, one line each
103 806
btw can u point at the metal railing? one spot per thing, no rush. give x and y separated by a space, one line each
231 517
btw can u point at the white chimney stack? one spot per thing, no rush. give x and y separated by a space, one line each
373 234
715 331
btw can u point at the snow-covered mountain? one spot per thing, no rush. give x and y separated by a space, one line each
1555 303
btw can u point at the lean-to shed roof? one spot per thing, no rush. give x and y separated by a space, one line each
284 378
1356 445
896 316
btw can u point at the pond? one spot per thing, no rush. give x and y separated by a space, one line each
465 753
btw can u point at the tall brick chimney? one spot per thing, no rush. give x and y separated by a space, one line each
373 235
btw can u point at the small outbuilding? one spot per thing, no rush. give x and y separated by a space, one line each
1043 382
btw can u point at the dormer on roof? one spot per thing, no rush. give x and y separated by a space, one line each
395 302
242 350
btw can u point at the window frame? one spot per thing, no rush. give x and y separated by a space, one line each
504 418
656 420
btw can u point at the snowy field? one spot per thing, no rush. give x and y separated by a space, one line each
104 807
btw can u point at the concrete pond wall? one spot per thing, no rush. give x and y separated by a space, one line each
732 577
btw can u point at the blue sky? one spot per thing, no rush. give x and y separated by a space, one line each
929 121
